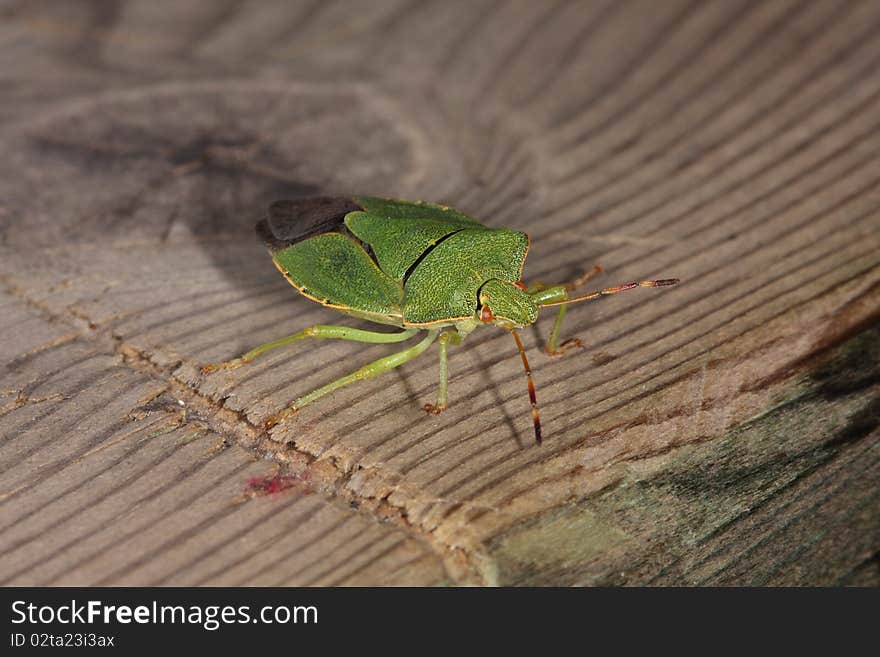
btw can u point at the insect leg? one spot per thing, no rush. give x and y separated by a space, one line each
318 331
559 296
570 286
549 295
442 394
367 371
542 294
571 343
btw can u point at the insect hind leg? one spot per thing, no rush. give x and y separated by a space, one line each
446 336
375 368
317 331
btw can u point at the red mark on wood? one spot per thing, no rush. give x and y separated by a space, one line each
276 484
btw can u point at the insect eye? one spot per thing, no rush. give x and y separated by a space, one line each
486 315
521 285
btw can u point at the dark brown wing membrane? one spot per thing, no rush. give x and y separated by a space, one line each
289 222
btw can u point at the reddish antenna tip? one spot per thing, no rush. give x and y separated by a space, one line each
663 282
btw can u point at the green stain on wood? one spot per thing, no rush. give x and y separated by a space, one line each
561 541
744 507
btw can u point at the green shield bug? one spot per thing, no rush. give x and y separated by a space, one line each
414 265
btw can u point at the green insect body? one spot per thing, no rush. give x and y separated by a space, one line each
410 264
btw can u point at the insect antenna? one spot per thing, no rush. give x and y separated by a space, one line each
614 290
535 419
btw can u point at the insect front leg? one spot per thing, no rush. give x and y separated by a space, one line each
560 296
542 294
571 286
318 331
553 347
367 371
446 336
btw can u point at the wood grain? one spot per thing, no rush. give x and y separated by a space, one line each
725 431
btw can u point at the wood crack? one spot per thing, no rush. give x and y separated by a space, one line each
467 565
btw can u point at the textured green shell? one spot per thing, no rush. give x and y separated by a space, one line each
336 271
399 242
397 209
430 261
445 284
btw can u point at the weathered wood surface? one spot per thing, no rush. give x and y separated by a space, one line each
726 431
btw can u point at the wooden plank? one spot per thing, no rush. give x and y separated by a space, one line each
694 440
108 480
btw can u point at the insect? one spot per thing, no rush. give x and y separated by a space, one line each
414 265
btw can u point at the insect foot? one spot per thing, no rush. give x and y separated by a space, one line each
434 409
573 343
227 365
273 420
